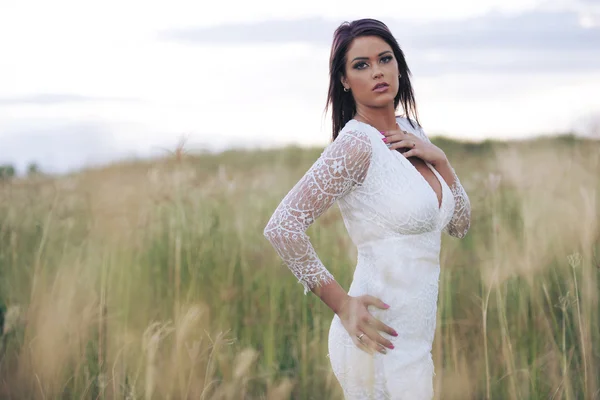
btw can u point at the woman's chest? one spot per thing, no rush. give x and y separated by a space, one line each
400 195
429 177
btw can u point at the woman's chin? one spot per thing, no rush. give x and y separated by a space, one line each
383 101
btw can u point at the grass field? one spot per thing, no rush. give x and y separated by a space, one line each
152 280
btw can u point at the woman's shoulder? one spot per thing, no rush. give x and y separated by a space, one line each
354 130
357 129
407 122
354 139
415 128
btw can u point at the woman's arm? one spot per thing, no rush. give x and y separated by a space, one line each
461 217
341 167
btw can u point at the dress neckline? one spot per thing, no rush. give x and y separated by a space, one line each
439 204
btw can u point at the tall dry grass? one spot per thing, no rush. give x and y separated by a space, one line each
152 280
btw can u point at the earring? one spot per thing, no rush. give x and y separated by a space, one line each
346 89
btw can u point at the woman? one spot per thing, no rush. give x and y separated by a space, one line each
397 193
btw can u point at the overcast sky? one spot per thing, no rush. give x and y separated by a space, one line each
88 82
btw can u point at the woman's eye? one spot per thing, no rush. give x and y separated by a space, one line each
359 65
386 59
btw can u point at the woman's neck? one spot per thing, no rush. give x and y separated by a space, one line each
382 119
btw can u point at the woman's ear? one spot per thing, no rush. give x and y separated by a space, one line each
344 81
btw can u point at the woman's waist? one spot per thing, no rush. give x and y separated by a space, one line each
393 264
401 273
423 242
422 248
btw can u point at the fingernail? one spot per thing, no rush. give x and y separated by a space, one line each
395 333
386 305
392 346
382 132
384 139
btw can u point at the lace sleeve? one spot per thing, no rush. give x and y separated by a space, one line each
461 218
342 166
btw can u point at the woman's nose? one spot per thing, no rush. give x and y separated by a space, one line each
377 73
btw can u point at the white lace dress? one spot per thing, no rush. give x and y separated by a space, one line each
393 216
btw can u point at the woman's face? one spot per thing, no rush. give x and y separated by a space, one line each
370 61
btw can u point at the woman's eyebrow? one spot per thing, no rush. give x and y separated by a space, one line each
366 58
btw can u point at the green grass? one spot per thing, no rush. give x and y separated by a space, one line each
153 280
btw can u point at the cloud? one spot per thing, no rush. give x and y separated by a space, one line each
56 146
502 61
58 98
539 40
308 30
557 31
538 30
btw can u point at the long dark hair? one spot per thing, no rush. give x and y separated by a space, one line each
342 103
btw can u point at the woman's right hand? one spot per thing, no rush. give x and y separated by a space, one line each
357 319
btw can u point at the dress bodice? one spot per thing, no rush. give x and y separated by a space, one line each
394 199
381 196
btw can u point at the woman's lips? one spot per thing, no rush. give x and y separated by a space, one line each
382 88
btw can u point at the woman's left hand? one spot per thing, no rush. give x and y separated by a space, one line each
410 145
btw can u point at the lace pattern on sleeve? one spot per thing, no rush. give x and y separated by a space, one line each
461 217
340 168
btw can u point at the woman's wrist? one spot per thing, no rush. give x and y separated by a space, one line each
333 295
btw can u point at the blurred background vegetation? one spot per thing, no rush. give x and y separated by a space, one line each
152 279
